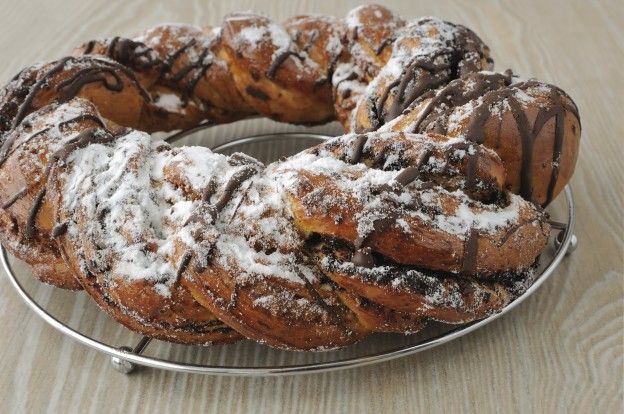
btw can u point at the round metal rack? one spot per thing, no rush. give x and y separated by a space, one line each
126 359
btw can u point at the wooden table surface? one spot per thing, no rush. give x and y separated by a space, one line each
560 351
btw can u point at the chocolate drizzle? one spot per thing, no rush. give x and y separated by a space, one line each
186 258
59 229
528 133
494 88
72 85
131 53
279 60
313 36
141 57
386 42
455 94
471 167
422 74
556 159
93 70
230 187
86 137
209 190
172 57
471 250
27 102
88 48
465 53
407 175
5 149
363 254
359 142
331 312
233 183
15 197
199 65
257 93
5 152
184 71
80 118
30 229
471 158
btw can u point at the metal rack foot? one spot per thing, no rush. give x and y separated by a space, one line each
123 365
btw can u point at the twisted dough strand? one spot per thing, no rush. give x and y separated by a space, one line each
374 232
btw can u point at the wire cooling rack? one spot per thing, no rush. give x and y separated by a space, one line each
272 362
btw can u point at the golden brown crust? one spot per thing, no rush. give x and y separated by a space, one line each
416 295
533 126
199 328
410 220
139 303
509 234
375 69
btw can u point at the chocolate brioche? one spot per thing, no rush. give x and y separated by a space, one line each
429 208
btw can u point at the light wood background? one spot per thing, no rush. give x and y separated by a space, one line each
560 351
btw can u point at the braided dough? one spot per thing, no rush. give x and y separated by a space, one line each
428 209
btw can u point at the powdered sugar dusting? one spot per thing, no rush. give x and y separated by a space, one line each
135 209
253 36
363 188
170 102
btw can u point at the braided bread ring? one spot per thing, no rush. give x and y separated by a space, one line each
375 232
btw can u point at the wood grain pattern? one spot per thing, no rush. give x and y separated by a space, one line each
560 351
